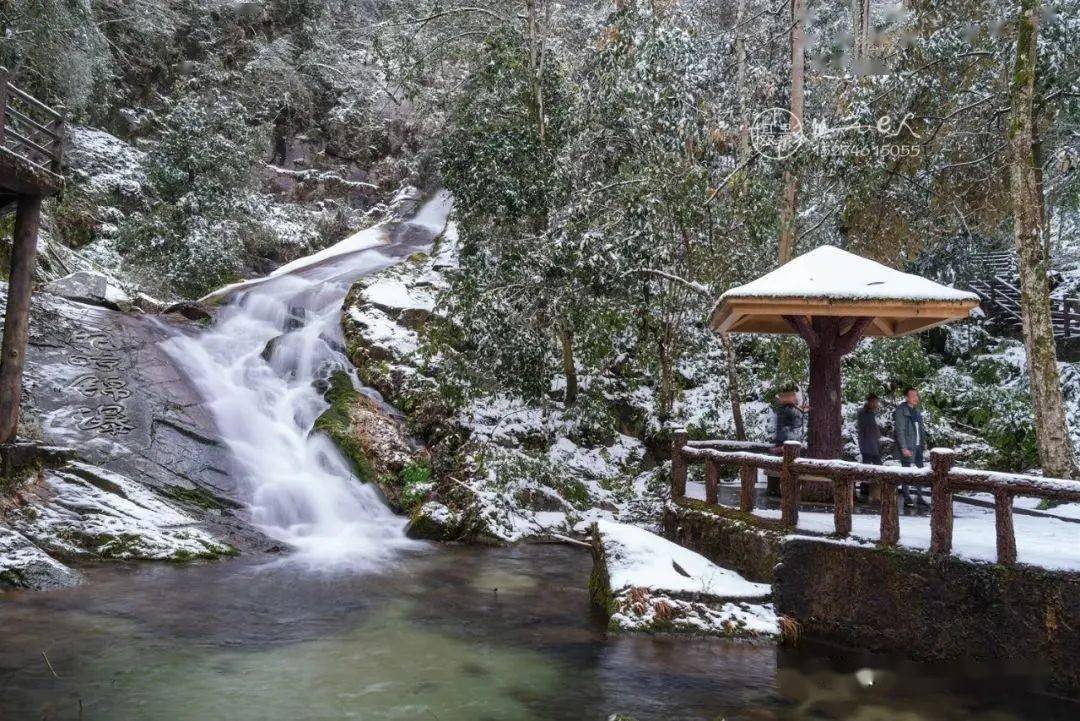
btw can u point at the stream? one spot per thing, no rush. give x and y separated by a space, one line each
357 621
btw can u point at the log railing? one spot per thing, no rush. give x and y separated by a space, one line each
29 129
941 477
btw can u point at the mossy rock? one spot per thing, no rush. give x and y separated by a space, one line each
336 423
434 522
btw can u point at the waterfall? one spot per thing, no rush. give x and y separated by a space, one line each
266 398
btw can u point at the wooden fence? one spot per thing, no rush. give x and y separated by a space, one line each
941 477
30 130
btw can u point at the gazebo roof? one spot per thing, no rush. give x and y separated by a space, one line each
829 281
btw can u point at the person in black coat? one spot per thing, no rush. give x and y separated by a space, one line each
869 432
790 417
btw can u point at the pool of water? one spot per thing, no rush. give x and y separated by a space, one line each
447 634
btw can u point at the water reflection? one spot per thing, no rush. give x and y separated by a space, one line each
459 634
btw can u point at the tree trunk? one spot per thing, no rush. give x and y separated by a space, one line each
666 397
17 317
566 343
790 207
733 387
740 83
829 339
824 439
1055 448
860 33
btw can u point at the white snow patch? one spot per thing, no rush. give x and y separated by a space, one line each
638 558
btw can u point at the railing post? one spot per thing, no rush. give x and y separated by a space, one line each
993 294
941 501
747 481
712 481
3 101
678 464
58 143
789 485
1003 523
843 502
1066 305
890 515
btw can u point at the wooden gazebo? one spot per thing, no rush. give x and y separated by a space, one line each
832 299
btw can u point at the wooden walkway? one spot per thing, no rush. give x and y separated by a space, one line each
31 164
942 478
996 281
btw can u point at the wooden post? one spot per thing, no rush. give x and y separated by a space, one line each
3 101
747 481
890 515
58 144
843 505
1003 523
789 485
17 318
941 501
712 481
1066 304
678 464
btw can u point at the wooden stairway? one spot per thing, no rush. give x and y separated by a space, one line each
996 281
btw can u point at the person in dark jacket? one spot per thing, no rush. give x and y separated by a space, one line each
869 433
910 434
790 417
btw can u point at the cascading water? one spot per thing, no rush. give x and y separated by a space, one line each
265 398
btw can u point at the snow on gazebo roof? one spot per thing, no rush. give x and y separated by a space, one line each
833 282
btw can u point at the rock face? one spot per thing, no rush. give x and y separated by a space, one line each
88 287
80 510
24 565
372 440
97 381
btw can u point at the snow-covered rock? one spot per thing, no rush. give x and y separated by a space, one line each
87 286
647 583
85 511
24 565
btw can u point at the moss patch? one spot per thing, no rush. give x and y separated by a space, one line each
336 422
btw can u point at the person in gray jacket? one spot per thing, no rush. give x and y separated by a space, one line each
910 434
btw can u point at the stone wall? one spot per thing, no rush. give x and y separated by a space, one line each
730 540
1021 620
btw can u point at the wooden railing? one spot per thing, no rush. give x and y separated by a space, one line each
941 477
29 129
999 296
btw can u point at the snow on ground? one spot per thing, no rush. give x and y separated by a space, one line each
88 511
1045 542
393 293
381 331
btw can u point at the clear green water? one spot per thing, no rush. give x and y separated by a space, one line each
454 634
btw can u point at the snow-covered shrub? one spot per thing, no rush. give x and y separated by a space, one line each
885 365
194 234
